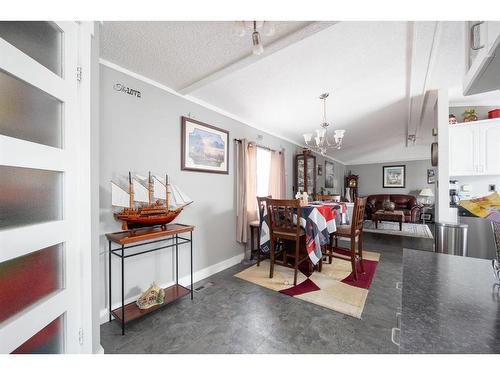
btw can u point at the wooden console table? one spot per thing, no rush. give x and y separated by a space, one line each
141 237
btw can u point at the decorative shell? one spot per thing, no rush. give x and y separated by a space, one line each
151 297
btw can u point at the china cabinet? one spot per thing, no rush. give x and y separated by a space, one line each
305 173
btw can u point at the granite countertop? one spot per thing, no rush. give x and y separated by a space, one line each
449 305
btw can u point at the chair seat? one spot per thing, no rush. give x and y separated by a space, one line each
254 223
281 234
344 231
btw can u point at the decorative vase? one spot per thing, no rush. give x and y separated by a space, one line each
388 205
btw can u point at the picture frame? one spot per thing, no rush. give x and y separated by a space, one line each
431 176
329 175
204 147
393 176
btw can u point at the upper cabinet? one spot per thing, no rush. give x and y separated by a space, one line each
475 148
482 57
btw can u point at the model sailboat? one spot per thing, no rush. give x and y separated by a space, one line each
155 203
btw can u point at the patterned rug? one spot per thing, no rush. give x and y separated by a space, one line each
333 287
409 229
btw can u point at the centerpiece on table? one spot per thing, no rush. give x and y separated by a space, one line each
304 198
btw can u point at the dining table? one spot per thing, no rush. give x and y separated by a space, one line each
318 219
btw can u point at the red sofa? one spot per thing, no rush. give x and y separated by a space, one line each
406 203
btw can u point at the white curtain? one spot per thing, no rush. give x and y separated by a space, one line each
277 184
246 187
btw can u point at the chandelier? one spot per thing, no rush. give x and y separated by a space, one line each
323 141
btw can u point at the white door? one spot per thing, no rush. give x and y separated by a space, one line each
463 150
39 255
490 149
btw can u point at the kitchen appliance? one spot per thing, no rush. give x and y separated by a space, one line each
480 240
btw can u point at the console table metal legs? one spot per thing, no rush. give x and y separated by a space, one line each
129 312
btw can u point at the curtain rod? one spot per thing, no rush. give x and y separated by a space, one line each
257 145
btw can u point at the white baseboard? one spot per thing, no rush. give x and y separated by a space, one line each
184 281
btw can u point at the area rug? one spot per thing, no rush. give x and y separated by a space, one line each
388 227
333 287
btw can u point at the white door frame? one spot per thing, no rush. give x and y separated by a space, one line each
23 240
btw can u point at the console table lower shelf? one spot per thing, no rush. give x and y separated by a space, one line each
141 237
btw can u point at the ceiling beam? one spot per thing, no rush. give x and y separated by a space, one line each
287 40
430 67
410 63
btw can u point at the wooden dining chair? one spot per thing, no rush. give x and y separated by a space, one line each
283 216
261 207
328 197
355 233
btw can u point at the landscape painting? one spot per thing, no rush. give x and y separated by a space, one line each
394 176
329 177
204 147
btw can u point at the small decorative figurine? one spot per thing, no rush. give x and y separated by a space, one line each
304 198
151 297
452 120
470 115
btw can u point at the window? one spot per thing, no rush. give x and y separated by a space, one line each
263 171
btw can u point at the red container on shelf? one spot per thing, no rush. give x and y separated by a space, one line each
494 113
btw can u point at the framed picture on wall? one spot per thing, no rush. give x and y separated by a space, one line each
431 176
329 177
394 176
320 170
204 148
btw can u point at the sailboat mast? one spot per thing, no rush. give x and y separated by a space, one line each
166 190
130 191
150 189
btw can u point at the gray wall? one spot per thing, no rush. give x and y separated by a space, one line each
143 134
339 172
481 111
370 177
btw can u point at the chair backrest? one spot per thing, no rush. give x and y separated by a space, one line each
281 214
496 234
261 205
328 197
358 215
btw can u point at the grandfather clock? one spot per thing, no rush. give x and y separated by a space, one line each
351 182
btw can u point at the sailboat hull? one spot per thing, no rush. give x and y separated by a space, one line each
138 219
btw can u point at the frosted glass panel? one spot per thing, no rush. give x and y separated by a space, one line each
42 41
29 113
27 279
29 196
50 340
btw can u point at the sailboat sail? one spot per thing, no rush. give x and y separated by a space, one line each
159 189
141 193
119 197
180 198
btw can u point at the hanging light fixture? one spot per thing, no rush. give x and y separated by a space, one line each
322 141
256 28
258 48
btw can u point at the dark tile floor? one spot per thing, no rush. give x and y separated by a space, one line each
235 316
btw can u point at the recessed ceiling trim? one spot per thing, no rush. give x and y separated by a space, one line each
287 40
202 103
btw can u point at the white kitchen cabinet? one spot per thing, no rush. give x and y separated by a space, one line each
482 57
490 136
475 148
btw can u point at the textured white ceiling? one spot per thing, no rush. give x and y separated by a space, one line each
365 66
180 53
